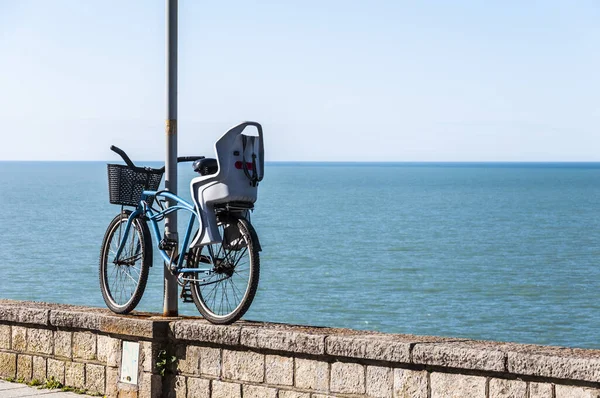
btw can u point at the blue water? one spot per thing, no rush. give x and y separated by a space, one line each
503 252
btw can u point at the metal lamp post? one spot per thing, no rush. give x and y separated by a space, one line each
170 282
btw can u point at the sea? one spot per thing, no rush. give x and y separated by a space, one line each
491 251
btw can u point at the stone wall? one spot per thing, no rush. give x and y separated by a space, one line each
82 347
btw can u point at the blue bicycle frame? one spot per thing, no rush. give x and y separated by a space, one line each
154 216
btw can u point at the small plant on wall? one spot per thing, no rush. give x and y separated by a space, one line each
164 362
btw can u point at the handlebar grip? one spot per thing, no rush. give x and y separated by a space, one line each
188 158
184 159
123 155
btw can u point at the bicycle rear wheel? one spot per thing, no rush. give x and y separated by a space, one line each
224 294
123 282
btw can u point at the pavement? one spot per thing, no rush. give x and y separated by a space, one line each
11 390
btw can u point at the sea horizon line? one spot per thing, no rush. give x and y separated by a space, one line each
433 163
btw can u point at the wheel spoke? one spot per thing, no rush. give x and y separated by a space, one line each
227 292
124 282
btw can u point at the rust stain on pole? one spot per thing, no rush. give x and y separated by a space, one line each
171 126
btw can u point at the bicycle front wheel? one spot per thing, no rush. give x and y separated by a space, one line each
224 293
123 281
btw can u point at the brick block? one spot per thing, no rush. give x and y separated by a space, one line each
112 382
279 370
473 355
5 335
109 350
380 382
150 386
221 389
445 385
375 346
188 359
148 355
40 341
293 394
75 318
62 344
24 367
347 378
500 388
251 391
243 366
8 364
198 331
23 314
410 383
311 374
540 390
180 388
127 393
198 388
95 378
84 345
555 362
56 370
210 361
283 339
74 374
576 392
39 369
153 328
19 338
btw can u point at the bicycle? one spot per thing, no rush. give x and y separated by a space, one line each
217 264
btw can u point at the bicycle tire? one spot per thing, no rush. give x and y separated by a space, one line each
228 268
139 250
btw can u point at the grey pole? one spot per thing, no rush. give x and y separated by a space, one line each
170 299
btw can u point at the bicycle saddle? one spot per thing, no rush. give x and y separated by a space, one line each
205 166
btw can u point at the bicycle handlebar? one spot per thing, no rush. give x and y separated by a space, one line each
180 159
123 155
189 158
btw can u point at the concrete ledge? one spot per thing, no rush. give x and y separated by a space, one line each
133 326
376 346
34 316
277 337
201 331
75 319
463 354
555 362
62 316
285 341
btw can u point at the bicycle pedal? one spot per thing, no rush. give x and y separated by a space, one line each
186 294
167 244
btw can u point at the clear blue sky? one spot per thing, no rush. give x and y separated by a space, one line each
329 80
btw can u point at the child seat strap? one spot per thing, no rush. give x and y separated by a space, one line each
254 177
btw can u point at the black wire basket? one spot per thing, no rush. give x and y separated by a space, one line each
126 184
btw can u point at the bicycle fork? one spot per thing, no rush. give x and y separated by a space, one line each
132 217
